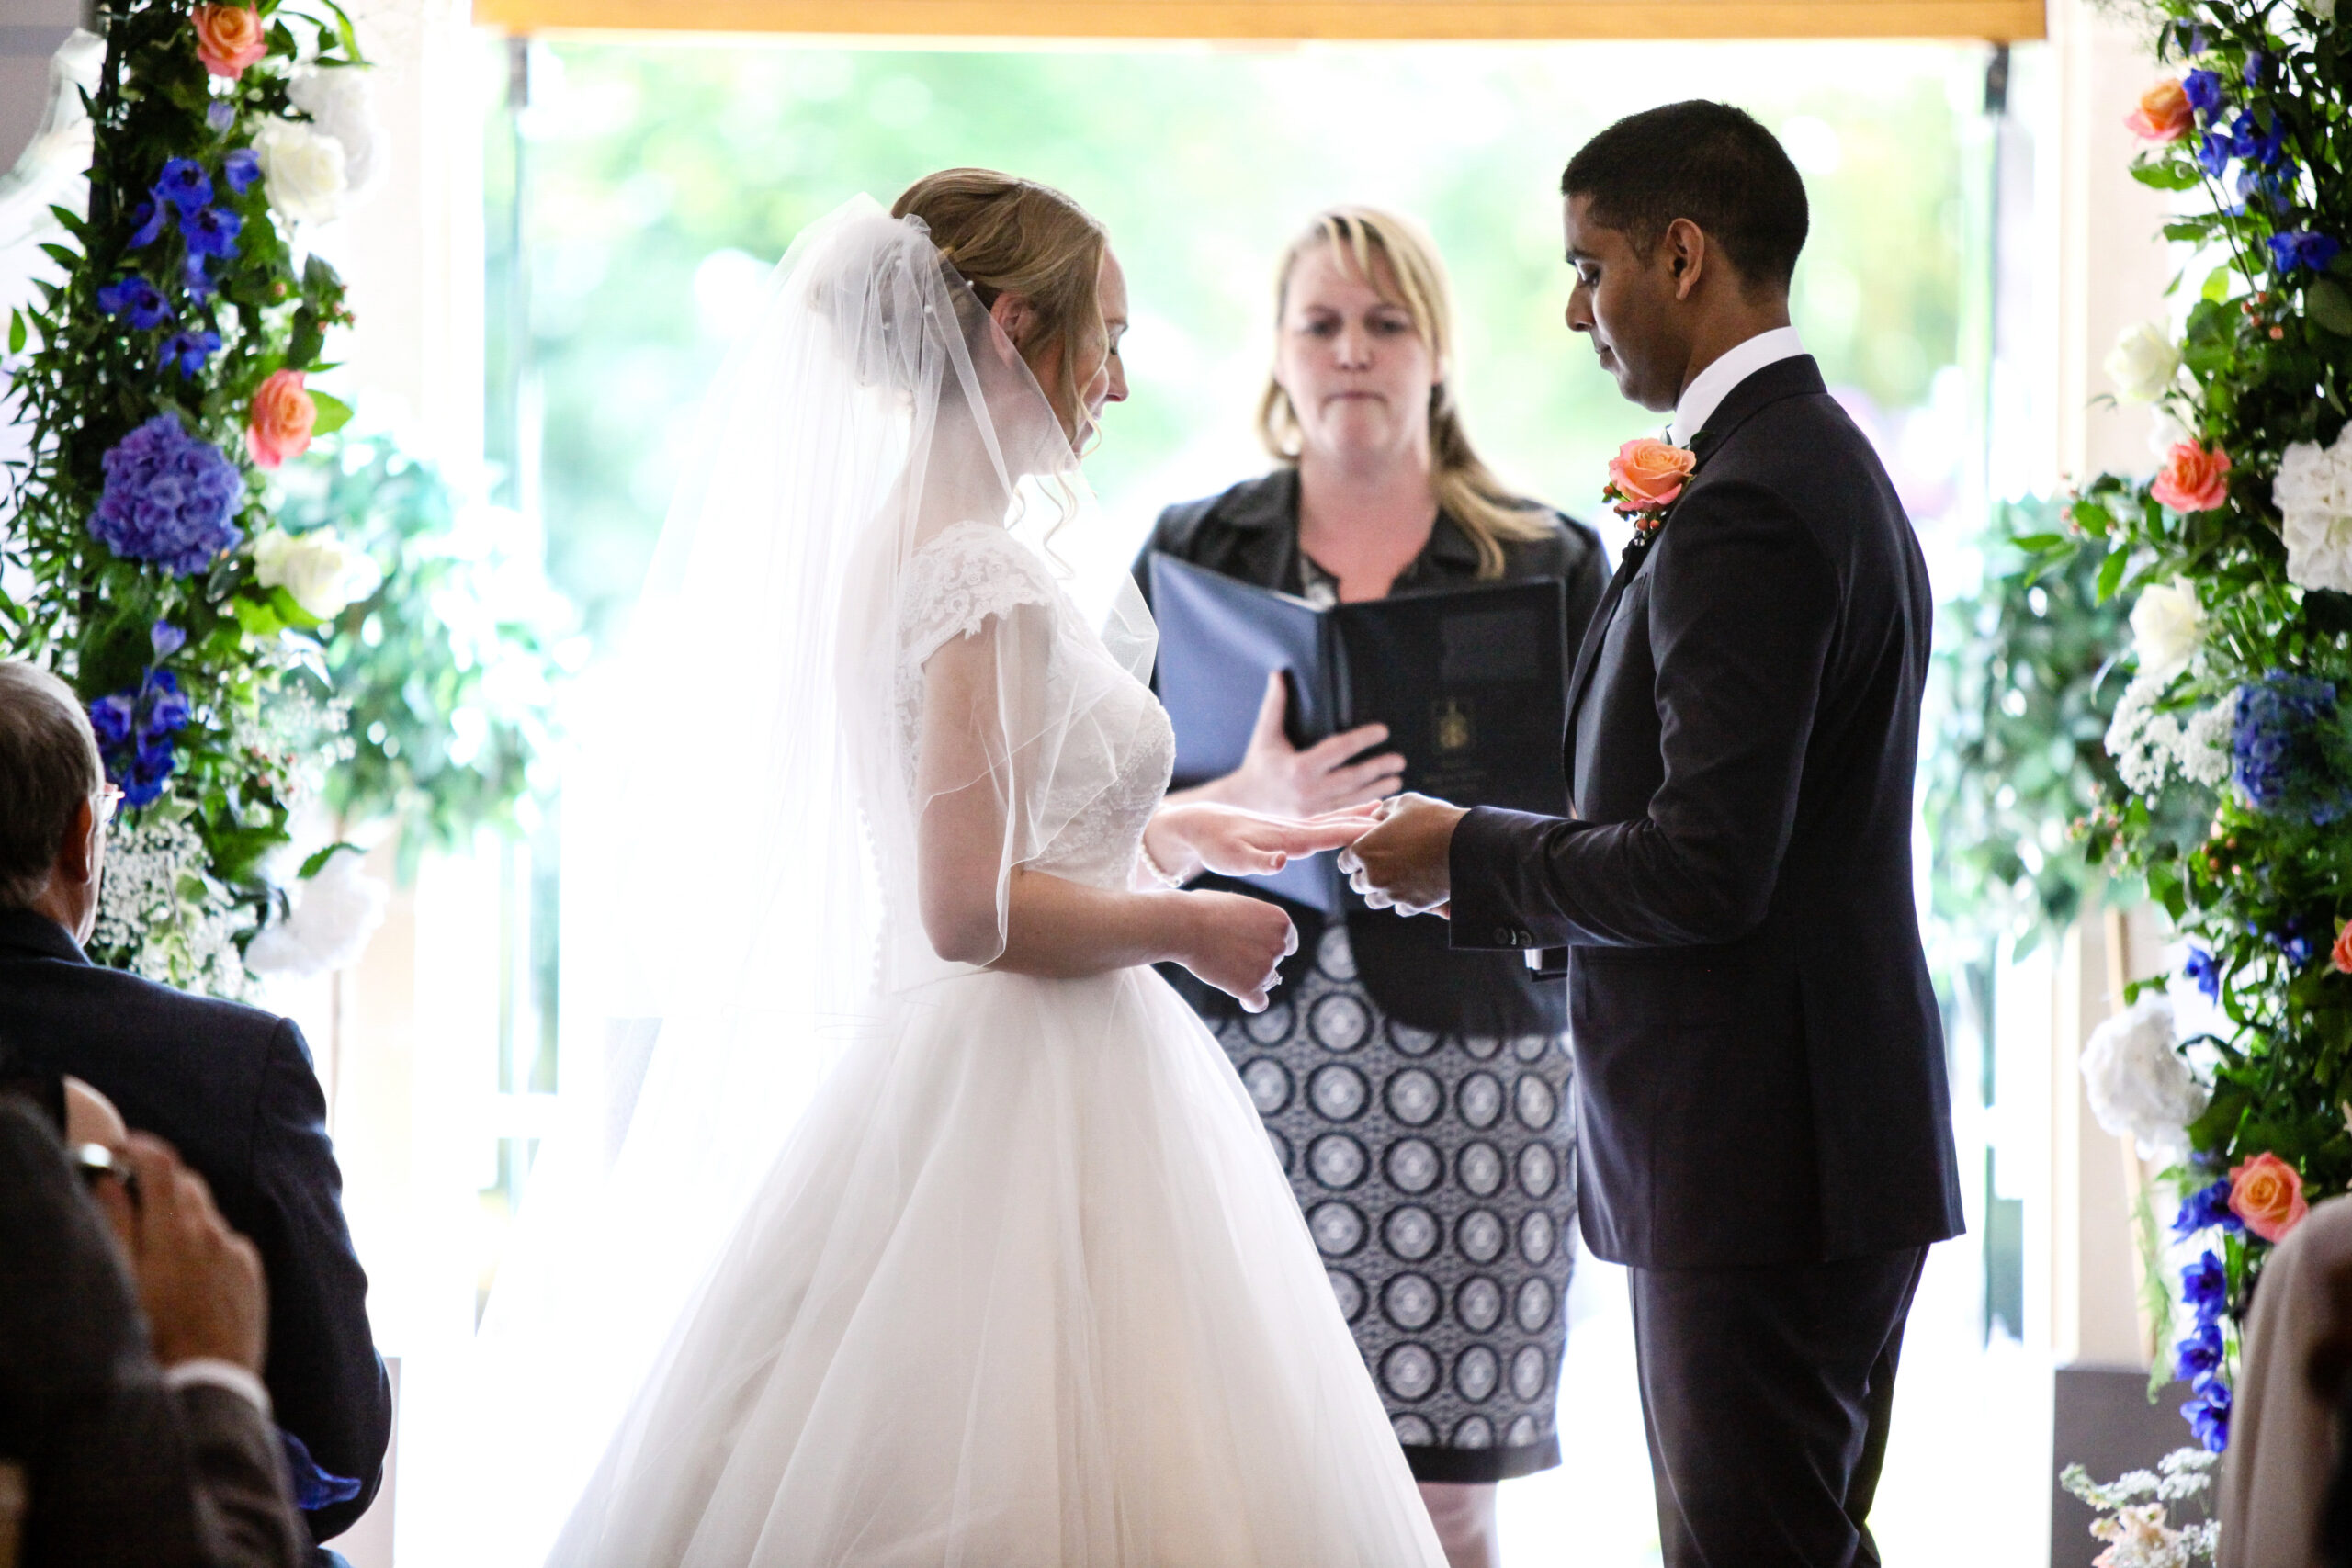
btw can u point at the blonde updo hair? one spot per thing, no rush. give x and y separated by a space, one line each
1397 259
1005 235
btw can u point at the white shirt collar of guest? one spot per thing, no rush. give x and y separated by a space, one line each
1710 387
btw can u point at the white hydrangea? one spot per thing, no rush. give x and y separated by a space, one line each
2313 491
338 101
2144 743
301 169
2202 750
335 914
2143 363
2168 626
2138 1084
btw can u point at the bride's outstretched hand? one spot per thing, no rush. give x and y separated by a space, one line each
1185 840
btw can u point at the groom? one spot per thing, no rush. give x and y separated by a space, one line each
1765 1134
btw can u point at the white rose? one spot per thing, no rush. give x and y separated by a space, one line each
302 171
2313 491
334 915
2167 626
339 104
324 576
2143 363
2137 1084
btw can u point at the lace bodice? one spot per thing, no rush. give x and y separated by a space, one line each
1115 752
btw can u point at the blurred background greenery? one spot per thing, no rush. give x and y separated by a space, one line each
659 181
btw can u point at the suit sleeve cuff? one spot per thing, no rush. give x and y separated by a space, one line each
1484 846
219 1374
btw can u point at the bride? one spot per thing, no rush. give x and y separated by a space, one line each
1024 1285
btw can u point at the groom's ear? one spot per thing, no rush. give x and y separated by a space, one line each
1684 245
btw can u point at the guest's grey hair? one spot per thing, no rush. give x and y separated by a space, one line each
48 766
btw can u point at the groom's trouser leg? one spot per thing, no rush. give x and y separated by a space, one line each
1766 1393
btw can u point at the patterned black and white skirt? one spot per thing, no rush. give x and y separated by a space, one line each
1437 1176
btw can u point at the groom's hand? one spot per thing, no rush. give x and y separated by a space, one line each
1403 862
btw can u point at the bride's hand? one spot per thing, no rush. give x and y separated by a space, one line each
1236 943
1187 840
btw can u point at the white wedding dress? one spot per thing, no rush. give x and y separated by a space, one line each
1025 1286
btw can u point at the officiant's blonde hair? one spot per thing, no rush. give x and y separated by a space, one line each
1007 235
1399 260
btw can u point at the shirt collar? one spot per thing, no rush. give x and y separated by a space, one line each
1709 387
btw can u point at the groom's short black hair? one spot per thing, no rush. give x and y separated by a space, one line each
1704 161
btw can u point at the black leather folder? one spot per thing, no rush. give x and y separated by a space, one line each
1471 682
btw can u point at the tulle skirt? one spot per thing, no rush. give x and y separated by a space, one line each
1026 1289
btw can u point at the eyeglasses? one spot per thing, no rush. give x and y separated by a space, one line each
105 802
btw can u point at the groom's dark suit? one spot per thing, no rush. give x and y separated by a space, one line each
1764 1121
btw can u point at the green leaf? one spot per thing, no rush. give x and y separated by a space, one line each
302 348
2340 264
65 257
259 620
2036 543
2164 175
318 862
16 332
2328 305
2217 285
333 414
2191 231
2110 573
2095 519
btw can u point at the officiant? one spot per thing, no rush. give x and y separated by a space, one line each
1418 1096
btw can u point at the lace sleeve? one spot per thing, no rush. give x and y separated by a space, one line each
957 582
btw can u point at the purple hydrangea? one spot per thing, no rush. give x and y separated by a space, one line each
139 299
2299 248
184 184
2203 1209
170 498
135 728
2279 752
239 169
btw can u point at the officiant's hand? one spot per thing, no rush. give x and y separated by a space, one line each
1403 862
1280 780
1187 839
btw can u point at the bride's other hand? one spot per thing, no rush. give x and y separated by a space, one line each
1185 840
1281 780
1236 943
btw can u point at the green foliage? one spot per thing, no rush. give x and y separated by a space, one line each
448 669
2021 760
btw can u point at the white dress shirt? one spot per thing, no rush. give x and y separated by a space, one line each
1710 387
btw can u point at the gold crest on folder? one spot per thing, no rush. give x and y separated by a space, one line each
1454 730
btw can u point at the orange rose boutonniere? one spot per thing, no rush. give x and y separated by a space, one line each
1645 478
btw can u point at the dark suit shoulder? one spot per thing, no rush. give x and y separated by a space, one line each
1257 502
210 1018
1565 550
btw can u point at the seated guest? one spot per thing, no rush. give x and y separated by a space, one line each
129 1442
229 1086
2275 1471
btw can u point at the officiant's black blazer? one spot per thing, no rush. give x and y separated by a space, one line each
231 1088
1250 531
1760 1056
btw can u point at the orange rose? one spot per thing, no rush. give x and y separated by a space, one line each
282 415
2194 478
2268 1195
2164 113
2342 956
1647 475
229 38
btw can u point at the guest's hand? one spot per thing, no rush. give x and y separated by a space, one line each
199 1282
1187 839
1403 862
1280 780
1236 943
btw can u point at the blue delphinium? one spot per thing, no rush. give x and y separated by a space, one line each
2203 1209
212 231
2255 145
2279 754
2299 248
169 499
220 114
139 299
2199 1355
184 184
2257 66
2213 152
2203 90
149 217
2205 1286
2200 968
193 276
2209 1414
239 169
135 728
190 350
